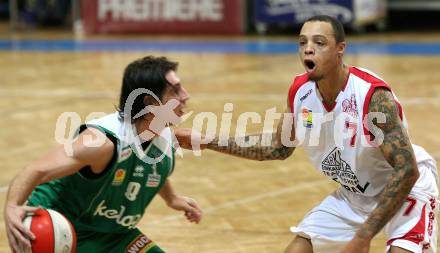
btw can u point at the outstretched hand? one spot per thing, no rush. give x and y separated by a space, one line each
190 139
192 210
15 230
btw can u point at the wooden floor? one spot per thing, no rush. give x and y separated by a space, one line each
249 206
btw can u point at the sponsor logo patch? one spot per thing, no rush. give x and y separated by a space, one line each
140 244
305 95
125 154
340 171
119 177
307 118
153 180
138 171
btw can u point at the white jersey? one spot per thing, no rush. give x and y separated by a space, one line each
337 140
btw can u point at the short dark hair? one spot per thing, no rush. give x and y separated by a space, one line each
149 73
338 28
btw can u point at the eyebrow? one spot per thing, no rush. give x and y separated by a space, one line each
173 86
319 36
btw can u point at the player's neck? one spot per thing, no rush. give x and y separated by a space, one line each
143 129
330 86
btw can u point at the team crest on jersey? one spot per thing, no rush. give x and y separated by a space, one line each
153 178
340 171
125 154
138 171
119 177
349 106
307 117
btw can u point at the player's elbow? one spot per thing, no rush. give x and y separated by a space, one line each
411 176
414 175
286 153
38 175
281 153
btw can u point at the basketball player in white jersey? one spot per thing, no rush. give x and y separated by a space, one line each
353 129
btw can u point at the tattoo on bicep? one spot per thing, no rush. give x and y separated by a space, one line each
397 151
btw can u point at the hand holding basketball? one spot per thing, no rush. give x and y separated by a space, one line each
36 230
15 230
53 232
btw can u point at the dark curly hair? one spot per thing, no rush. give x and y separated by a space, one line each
149 73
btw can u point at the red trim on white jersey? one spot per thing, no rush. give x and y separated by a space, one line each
370 137
399 106
416 234
299 81
328 108
375 83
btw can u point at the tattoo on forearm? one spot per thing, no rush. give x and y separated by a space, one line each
265 149
397 150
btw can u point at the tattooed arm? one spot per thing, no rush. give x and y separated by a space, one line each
260 147
269 146
397 151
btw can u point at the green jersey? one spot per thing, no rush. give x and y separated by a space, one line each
115 201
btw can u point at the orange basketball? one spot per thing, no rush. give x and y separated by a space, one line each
53 232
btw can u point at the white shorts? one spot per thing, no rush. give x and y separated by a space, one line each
334 222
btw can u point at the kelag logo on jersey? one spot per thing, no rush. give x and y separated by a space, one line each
128 221
307 117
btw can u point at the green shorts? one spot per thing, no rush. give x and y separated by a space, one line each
132 242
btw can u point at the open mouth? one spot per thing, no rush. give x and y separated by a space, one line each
310 65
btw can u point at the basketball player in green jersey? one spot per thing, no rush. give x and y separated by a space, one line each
104 186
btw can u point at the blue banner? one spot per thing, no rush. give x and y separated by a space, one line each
297 11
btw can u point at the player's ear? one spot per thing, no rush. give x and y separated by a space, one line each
149 100
341 47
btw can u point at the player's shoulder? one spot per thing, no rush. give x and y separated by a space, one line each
93 144
299 81
367 76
